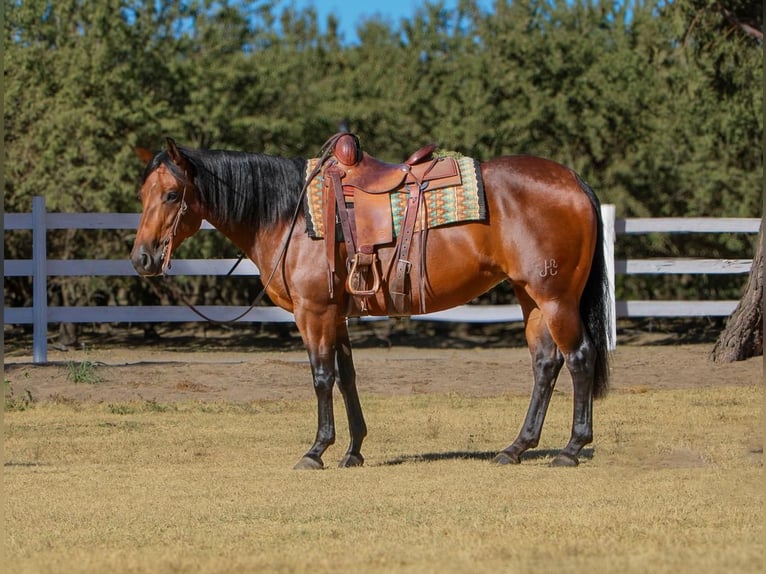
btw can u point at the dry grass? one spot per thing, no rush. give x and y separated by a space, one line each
673 484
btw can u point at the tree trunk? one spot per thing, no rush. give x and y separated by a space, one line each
743 336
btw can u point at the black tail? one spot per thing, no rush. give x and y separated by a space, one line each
595 305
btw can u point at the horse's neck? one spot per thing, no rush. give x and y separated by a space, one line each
262 246
240 235
257 222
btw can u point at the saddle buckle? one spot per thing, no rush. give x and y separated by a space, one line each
402 269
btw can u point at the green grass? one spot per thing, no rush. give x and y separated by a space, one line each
83 372
672 484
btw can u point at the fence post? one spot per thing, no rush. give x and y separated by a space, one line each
608 216
39 282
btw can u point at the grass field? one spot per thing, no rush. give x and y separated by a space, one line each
673 483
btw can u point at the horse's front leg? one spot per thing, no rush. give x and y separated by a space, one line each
347 385
318 332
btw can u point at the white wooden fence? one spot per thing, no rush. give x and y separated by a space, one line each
40 268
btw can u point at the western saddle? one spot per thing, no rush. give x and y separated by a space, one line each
356 192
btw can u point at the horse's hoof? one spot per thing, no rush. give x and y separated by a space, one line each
504 458
308 463
351 460
563 459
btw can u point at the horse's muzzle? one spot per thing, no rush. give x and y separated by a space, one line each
147 262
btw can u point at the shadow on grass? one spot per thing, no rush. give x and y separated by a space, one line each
587 454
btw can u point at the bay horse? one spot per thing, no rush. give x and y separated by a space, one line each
543 233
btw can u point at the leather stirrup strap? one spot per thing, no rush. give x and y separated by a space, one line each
403 263
402 255
329 238
333 173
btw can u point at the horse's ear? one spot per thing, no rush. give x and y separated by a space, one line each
144 154
173 152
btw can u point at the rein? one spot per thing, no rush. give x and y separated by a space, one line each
325 153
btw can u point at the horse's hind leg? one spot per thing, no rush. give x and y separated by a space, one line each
580 363
347 386
579 352
547 361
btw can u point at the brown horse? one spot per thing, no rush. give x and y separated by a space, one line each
543 233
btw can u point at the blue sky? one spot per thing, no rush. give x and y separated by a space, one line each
352 12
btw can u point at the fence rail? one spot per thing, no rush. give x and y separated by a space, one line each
40 268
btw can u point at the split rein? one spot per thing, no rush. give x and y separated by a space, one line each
183 207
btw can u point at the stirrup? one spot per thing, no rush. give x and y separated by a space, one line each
367 261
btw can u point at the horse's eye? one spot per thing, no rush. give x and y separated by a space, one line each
171 196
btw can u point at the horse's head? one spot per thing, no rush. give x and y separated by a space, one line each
169 209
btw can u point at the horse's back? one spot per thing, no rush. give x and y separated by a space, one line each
537 198
535 185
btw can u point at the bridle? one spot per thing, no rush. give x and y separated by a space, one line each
167 243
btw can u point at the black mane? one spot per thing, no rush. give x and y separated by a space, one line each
238 187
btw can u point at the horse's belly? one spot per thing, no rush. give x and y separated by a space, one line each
453 273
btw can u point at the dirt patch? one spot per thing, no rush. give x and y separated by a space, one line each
165 373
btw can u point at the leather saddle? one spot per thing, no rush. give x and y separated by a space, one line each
357 193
